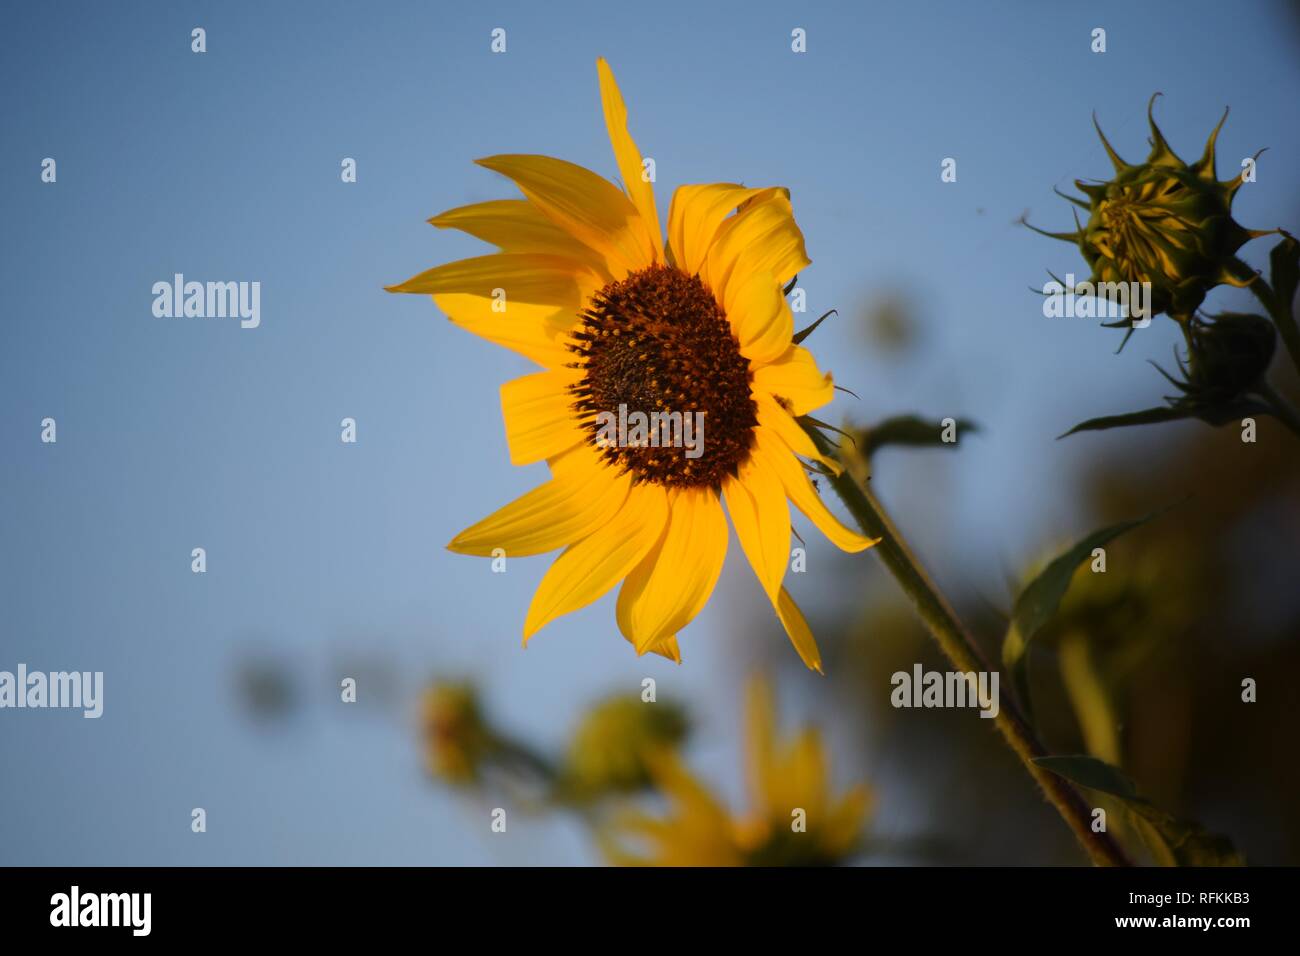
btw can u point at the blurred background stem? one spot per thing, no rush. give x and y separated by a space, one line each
960 649
1282 410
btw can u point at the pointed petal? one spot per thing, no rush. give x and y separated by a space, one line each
757 504
516 225
525 302
796 628
803 777
534 278
674 580
668 648
639 189
761 238
796 378
539 416
582 496
694 217
772 415
760 317
588 569
531 331
760 514
593 210
802 493
760 738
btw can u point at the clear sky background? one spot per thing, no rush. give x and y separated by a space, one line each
183 433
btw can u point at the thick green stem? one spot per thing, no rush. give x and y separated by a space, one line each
958 646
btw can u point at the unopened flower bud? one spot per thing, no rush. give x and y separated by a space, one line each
1165 223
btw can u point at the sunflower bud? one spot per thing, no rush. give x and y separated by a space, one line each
609 747
458 742
1165 223
1228 355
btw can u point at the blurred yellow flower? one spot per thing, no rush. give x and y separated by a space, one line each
795 820
644 344
457 740
608 751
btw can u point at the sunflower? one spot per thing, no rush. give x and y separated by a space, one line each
692 329
795 820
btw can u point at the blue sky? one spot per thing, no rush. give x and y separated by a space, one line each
175 434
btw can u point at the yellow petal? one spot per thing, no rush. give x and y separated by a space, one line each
686 793
639 189
516 225
593 210
539 416
783 775
796 628
694 217
674 580
699 831
761 516
772 415
525 302
796 378
760 317
588 569
757 504
537 333
844 820
535 278
668 648
582 496
762 238
800 779
800 491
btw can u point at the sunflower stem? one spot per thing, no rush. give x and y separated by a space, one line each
960 649
1282 315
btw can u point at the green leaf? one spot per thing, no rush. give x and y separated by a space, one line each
1042 596
912 431
1039 601
1091 773
1171 841
1148 416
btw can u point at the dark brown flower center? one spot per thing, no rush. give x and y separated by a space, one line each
665 394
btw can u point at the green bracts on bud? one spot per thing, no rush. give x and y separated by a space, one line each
1163 222
1227 357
